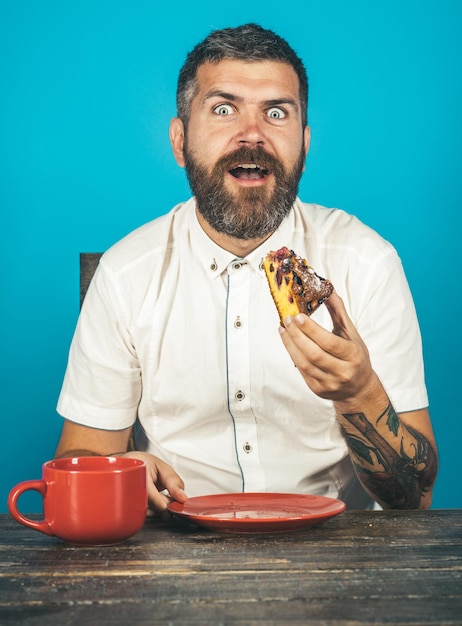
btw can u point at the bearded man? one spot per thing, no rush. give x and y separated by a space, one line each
178 334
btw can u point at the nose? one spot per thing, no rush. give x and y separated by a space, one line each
250 130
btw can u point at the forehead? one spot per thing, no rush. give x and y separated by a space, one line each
265 79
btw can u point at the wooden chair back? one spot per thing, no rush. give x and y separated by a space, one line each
88 264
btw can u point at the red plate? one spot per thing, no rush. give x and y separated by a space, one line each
257 512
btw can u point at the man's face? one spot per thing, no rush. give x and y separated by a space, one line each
244 148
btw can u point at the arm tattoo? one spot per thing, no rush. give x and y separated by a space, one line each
398 474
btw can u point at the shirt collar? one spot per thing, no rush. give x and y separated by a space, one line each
215 259
212 257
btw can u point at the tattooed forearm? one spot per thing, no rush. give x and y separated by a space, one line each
392 460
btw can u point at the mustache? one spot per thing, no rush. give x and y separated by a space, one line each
257 155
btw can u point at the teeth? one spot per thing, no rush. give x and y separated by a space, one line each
248 166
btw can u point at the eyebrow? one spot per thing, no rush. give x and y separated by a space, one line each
216 93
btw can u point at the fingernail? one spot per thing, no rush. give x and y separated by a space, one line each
288 321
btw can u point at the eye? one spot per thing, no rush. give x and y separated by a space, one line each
223 109
276 113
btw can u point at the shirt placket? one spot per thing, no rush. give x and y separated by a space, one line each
238 367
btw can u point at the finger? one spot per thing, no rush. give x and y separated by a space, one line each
177 492
314 369
305 351
342 324
157 500
316 342
168 480
163 483
293 335
324 359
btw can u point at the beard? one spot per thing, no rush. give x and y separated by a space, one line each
250 212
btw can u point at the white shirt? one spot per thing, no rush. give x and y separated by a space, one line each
176 331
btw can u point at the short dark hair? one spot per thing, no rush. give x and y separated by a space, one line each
249 42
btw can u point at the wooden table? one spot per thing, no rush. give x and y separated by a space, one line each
358 568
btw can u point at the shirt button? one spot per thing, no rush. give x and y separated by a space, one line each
240 395
213 265
247 447
237 322
237 265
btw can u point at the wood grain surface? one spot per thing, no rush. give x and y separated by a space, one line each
358 568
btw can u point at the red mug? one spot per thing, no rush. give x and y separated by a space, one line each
92 500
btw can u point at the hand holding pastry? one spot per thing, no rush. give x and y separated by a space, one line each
335 364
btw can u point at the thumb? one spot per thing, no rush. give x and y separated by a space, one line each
342 324
176 491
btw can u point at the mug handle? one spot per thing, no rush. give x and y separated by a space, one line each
35 485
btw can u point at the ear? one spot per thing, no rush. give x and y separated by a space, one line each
177 140
306 141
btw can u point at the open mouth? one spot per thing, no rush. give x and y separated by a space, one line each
249 171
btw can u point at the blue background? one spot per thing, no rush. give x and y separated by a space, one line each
87 92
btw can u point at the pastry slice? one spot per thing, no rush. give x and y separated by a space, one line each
294 285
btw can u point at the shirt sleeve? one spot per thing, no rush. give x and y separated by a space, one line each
102 383
387 321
